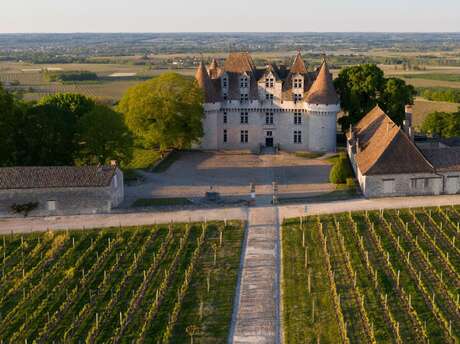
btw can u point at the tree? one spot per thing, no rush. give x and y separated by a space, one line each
394 97
50 136
358 87
165 112
73 103
363 87
442 124
102 136
12 119
434 123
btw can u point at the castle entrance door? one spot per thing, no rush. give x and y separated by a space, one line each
268 139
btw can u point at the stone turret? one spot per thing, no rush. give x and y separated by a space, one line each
323 104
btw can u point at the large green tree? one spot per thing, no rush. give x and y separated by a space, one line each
442 124
50 136
165 112
102 136
364 86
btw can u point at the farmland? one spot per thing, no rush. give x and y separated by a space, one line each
388 276
143 284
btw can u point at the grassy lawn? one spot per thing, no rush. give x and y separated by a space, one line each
155 202
167 162
388 268
121 284
342 192
308 155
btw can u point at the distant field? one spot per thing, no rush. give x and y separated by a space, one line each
423 107
121 285
434 76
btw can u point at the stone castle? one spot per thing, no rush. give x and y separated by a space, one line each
248 108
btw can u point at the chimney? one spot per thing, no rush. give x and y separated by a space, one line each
407 123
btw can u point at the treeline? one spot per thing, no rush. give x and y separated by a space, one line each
62 129
442 124
71 76
442 94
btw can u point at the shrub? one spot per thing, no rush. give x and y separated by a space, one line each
25 209
341 170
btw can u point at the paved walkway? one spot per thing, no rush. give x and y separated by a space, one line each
237 213
256 313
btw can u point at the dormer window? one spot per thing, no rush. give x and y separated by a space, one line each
297 83
244 82
269 82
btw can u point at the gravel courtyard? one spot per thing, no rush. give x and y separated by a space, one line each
230 174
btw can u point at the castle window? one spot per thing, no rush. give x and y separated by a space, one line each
225 82
225 117
297 83
225 135
268 96
244 82
269 118
297 136
269 82
244 136
244 118
297 97
225 96
244 97
297 117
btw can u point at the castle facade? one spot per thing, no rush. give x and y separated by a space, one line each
248 108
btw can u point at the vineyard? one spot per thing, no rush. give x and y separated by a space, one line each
388 276
160 284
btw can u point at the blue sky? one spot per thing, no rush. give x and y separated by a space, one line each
228 15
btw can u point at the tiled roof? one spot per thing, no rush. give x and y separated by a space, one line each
239 63
323 91
55 177
443 159
298 66
385 149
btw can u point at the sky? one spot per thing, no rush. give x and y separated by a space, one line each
229 16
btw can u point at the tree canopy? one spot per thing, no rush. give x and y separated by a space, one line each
442 124
363 87
165 112
102 135
61 129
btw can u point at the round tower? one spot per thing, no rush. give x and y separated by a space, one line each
323 106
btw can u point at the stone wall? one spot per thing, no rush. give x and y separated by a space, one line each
68 201
318 128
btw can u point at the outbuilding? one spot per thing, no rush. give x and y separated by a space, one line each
60 190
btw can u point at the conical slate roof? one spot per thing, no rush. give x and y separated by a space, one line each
323 91
298 66
204 81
